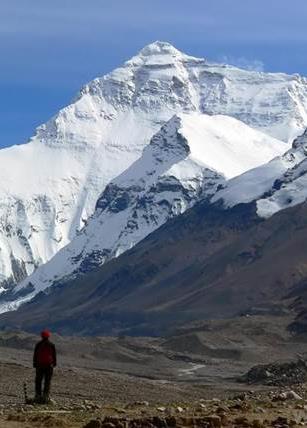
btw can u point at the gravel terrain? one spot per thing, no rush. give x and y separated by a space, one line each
190 377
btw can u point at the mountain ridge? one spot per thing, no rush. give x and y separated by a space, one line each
187 160
104 131
214 263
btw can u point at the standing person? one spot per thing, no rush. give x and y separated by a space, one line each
44 360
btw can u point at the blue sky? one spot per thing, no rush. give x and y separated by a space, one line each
48 50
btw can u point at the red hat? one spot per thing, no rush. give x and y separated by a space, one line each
45 334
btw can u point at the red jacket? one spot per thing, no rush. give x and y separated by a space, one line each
44 354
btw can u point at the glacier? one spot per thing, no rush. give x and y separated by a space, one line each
49 187
187 160
276 185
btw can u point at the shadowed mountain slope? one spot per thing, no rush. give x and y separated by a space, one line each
207 263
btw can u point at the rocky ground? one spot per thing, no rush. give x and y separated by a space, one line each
250 409
244 372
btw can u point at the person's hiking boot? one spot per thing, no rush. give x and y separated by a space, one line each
45 399
38 399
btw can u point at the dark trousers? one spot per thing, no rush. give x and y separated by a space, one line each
43 374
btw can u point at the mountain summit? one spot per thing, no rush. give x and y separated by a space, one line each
50 186
161 48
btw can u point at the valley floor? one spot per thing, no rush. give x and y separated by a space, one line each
189 379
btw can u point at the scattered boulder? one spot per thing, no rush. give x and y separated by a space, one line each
143 403
288 395
277 374
292 395
280 422
137 404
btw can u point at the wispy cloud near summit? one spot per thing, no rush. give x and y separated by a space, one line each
242 62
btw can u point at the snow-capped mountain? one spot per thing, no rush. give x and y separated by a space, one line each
276 185
185 161
49 187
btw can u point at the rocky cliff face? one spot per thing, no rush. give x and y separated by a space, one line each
187 160
49 187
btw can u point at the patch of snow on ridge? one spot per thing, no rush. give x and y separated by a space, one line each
185 161
292 194
291 188
277 185
228 145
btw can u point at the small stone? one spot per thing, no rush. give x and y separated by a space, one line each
213 421
179 409
161 409
257 423
242 421
171 421
94 423
241 397
289 395
224 418
280 421
187 422
137 404
105 425
122 411
293 396
222 409
280 397
159 422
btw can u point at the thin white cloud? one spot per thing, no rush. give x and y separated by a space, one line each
242 62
